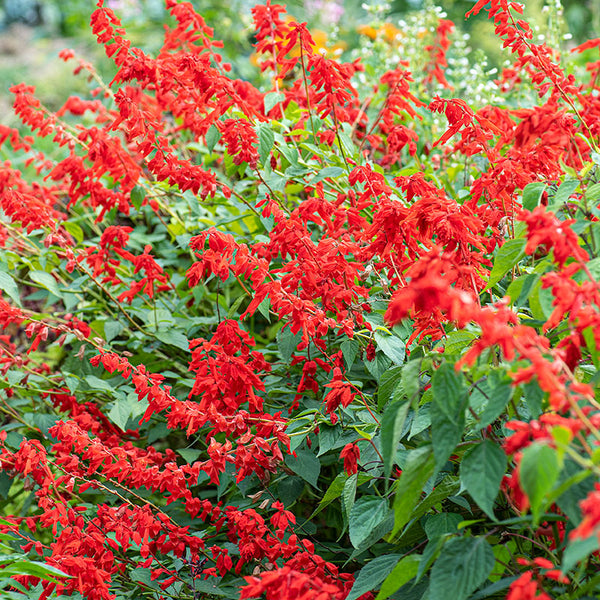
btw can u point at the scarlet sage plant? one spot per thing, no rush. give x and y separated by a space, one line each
333 334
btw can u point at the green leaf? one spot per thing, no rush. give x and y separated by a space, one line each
306 465
372 574
393 347
74 230
9 287
392 425
419 468
349 494
411 383
350 350
120 412
266 139
387 385
365 515
98 384
137 196
532 193
450 400
506 258
36 569
578 549
287 343
46 281
442 524
112 329
449 486
463 565
325 173
402 573
213 135
565 190
271 99
481 472
172 337
538 471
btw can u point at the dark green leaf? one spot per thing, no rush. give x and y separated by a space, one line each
212 137
481 472
365 515
579 549
419 468
463 565
539 470
388 384
306 465
172 337
350 350
442 524
392 425
372 574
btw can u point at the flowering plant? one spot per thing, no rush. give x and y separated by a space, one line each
333 335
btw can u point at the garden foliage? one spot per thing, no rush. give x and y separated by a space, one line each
334 334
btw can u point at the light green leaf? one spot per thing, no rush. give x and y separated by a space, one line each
266 139
46 281
272 99
532 193
9 287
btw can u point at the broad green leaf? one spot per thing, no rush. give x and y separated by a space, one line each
271 99
306 465
393 347
506 258
287 343
46 281
419 468
372 574
411 382
172 337
448 487
36 569
564 192
450 401
365 515
112 329
350 350
266 139
442 524
481 472
212 137
9 287
532 193
392 425
349 494
498 390
74 230
327 172
403 572
120 412
387 386
98 384
463 565
579 549
538 471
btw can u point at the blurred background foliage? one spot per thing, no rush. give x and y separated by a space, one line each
32 32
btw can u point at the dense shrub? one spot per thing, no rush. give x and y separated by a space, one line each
332 337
